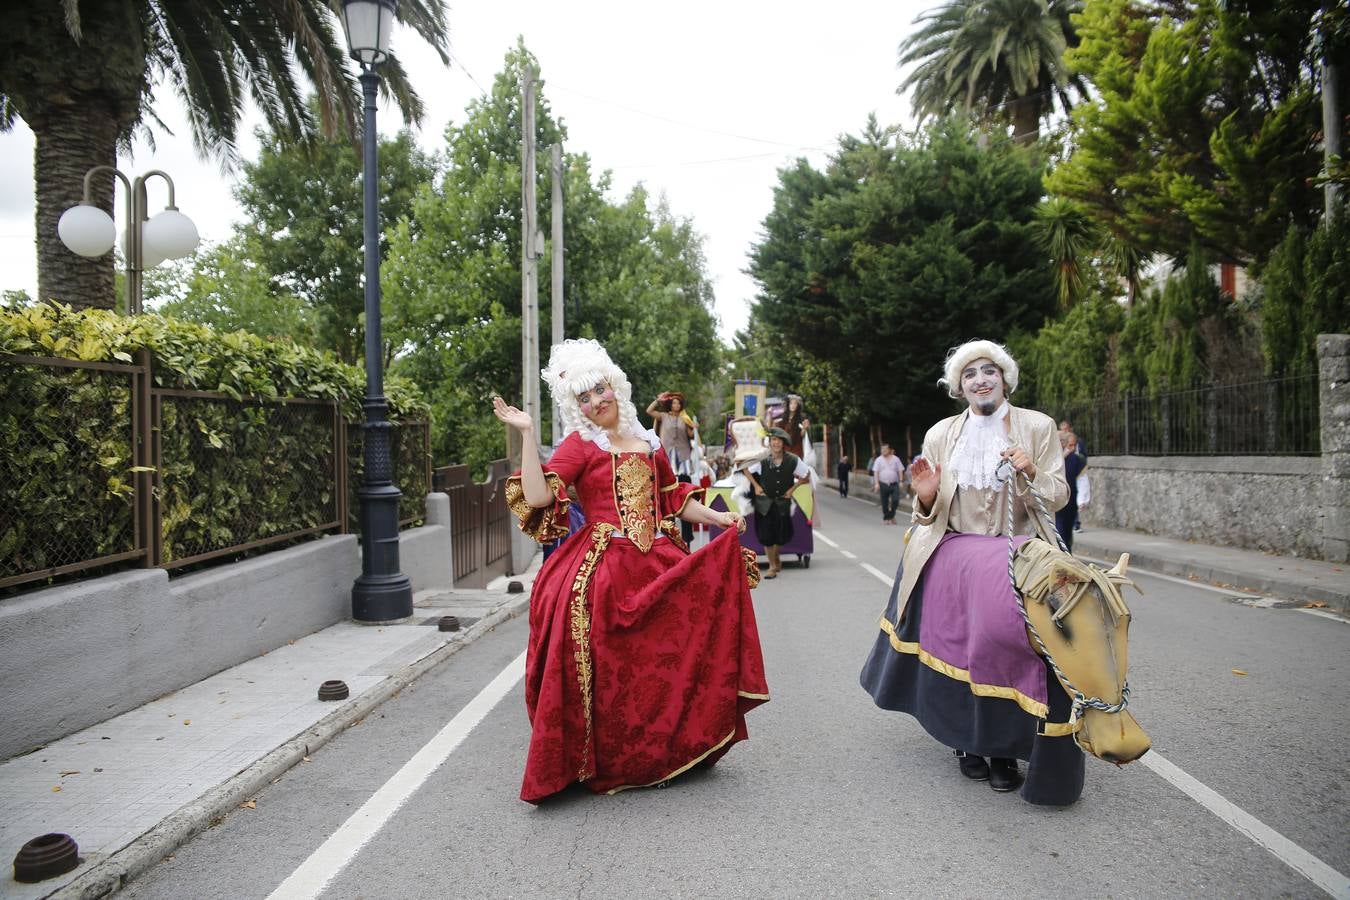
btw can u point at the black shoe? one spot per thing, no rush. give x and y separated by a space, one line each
1003 775
973 767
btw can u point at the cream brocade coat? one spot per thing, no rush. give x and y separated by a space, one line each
965 511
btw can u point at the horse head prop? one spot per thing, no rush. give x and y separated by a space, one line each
1078 620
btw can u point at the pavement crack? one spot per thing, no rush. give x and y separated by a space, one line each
581 833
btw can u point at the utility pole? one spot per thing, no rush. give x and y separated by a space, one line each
529 270
1331 130
556 173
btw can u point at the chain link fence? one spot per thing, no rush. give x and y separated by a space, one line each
98 468
67 485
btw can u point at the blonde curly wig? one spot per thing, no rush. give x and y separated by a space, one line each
576 366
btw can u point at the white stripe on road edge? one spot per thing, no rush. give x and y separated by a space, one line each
341 848
885 579
827 540
1285 850
848 555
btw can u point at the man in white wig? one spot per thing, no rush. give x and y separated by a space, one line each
963 483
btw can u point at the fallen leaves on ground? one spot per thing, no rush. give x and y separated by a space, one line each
249 804
1315 604
1239 671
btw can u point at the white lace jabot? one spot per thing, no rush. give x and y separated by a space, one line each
601 437
978 450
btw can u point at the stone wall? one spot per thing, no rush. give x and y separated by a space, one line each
1280 504
75 655
1265 503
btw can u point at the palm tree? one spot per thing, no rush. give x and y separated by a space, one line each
82 75
998 60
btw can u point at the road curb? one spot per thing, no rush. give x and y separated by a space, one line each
1337 601
112 873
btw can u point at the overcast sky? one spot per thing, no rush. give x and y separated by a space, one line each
701 101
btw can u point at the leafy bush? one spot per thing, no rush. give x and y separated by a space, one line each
233 470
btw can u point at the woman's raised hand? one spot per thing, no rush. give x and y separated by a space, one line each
516 418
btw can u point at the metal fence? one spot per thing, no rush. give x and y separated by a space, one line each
480 523
1273 417
410 450
99 468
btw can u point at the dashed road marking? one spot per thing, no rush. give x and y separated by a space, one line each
848 555
826 540
882 576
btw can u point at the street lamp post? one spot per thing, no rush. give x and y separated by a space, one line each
89 231
381 592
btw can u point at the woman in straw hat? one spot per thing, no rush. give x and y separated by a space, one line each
643 659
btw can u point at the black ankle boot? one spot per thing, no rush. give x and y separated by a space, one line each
1003 775
973 767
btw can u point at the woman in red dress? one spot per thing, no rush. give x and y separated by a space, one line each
643 658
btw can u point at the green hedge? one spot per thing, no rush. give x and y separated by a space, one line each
233 471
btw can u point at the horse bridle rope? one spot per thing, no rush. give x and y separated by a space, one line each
1080 701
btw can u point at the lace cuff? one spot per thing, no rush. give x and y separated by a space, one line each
545 523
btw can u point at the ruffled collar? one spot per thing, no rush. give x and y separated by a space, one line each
979 450
601 437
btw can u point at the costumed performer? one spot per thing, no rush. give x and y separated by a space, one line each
643 659
969 676
773 480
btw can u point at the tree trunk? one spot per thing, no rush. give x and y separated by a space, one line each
1026 115
70 141
79 93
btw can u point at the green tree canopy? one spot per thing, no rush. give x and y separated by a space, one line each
899 250
635 277
304 224
1203 127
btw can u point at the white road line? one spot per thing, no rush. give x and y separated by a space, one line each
1285 850
848 555
828 542
885 579
1324 613
1227 592
341 848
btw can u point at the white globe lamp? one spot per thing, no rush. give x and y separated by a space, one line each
87 230
168 235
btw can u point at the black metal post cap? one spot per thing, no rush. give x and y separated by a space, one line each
46 857
448 623
333 690
515 587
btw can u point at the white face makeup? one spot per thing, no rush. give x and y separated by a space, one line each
982 386
598 405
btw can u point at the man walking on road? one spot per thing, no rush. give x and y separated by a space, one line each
887 472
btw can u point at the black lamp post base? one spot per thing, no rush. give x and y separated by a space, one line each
380 600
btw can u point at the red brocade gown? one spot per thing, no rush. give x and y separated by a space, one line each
643 658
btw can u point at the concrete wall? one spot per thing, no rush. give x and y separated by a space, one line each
1265 503
75 655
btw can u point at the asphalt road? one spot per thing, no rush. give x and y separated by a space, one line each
832 797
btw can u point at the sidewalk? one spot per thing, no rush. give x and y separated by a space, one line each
132 789
1289 578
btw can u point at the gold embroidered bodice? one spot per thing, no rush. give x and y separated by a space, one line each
635 499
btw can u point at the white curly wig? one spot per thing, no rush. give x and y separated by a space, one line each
576 366
964 355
